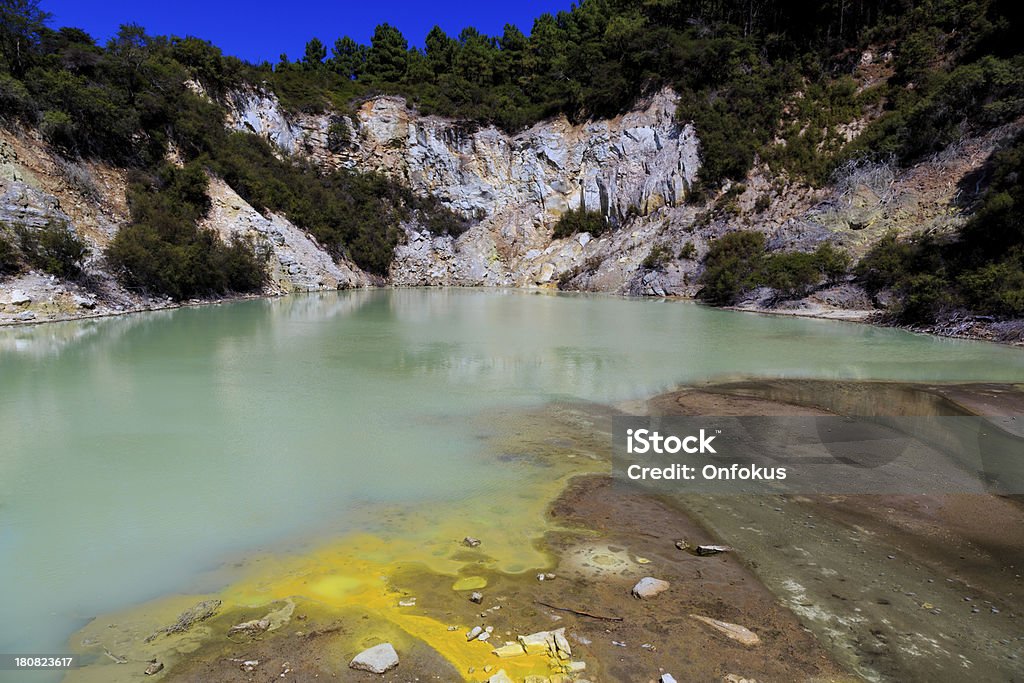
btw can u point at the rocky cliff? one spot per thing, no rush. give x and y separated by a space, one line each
514 187
637 169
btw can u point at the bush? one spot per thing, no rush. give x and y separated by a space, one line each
580 220
54 248
997 288
657 257
688 251
8 255
739 262
732 266
163 251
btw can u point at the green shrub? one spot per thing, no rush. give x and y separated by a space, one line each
54 248
997 288
163 251
657 257
733 265
688 251
580 220
792 274
738 262
9 262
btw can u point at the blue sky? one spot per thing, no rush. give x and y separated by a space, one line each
263 30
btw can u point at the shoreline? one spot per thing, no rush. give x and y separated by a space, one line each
863 317
599 540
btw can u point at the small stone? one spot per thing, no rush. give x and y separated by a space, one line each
549 576
25 316
648 587
408 602
484 637
377 659
474 632
84 302
667 678
154 667
19 297
470 542
453 628
477 597
500 677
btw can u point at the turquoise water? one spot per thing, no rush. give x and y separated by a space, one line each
139 453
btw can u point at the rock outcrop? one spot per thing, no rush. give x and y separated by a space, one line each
514 186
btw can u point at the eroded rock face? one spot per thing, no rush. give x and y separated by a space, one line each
513 186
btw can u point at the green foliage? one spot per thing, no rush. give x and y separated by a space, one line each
315 54
163 251
338 134
580 220
657 258
387 57
688 251
54 248
732 266
9 262
739 262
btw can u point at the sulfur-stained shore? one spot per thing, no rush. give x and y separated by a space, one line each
835 588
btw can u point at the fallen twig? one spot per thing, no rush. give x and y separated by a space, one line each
581 613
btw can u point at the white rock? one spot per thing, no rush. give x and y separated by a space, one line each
648 587
19 297
740 634
667 678
500 677
377 659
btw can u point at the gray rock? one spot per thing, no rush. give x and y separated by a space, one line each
19 297
25 316
84 302
377 659
648 587
667 678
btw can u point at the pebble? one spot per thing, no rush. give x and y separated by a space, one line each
477 597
